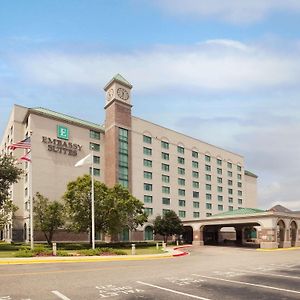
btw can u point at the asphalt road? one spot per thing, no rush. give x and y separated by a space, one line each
207 273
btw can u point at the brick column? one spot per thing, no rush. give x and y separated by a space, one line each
268 238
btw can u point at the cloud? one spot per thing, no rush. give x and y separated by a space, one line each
214 65
233 11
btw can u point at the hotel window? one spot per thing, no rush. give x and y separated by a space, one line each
196 214
123 157
181 213
148 211
219 162
165 167
229 173
147 139
95 135
239 184
230 191
147 175
181 171
207 158
195 164
96 172
240 193
219 180
229 165
195 194
147 151
208 177
165 189
94 146
180 149
195 174
166 201
208 214
147 163
239 168
195 154
147 187
239 176
230 199
196 204
230 208
164 145
195 184
208 206
208 187
229 182
240 201
181 181
181 192
208 196
219 171
220 189
207 168
165 178
147 199
220 207
220 198
165 156
26 177
180 160
181 202
26 192
96 159
164 211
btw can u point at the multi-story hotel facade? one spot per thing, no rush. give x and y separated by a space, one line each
165 169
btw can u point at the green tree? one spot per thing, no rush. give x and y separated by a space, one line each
9 174
167 225
115 208
48 216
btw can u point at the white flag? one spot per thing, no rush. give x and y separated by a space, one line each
85 161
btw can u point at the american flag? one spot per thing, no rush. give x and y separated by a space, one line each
26 157
24 144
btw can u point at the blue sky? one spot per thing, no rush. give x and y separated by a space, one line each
226 72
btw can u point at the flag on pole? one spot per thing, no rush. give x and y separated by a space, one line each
24 144
85 161
26 157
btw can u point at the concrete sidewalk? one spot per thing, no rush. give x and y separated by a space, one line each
170 253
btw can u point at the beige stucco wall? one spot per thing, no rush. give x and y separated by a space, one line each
250 191
158 133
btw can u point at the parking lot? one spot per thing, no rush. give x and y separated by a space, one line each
208 273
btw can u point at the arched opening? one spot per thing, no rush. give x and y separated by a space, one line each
125 235
148 233
293 233
227 236
187 235
280 233
211 235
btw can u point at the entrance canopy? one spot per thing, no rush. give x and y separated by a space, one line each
267 229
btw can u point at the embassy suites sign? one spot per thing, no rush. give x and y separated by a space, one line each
61 145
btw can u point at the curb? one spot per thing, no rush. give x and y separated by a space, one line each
278 249
172 253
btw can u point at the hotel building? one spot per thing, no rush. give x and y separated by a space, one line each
165 169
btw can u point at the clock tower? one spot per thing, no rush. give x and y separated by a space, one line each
118 132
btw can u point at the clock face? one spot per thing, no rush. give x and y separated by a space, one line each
110 94
122 93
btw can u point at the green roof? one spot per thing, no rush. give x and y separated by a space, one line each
118 77
238 212
66 118
248 173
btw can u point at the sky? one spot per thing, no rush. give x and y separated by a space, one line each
226 72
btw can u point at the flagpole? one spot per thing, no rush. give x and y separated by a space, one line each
93 204
30 199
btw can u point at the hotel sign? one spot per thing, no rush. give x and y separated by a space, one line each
61 145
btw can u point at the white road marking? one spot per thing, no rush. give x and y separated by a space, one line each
270 274
60 295
172 291
248 283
